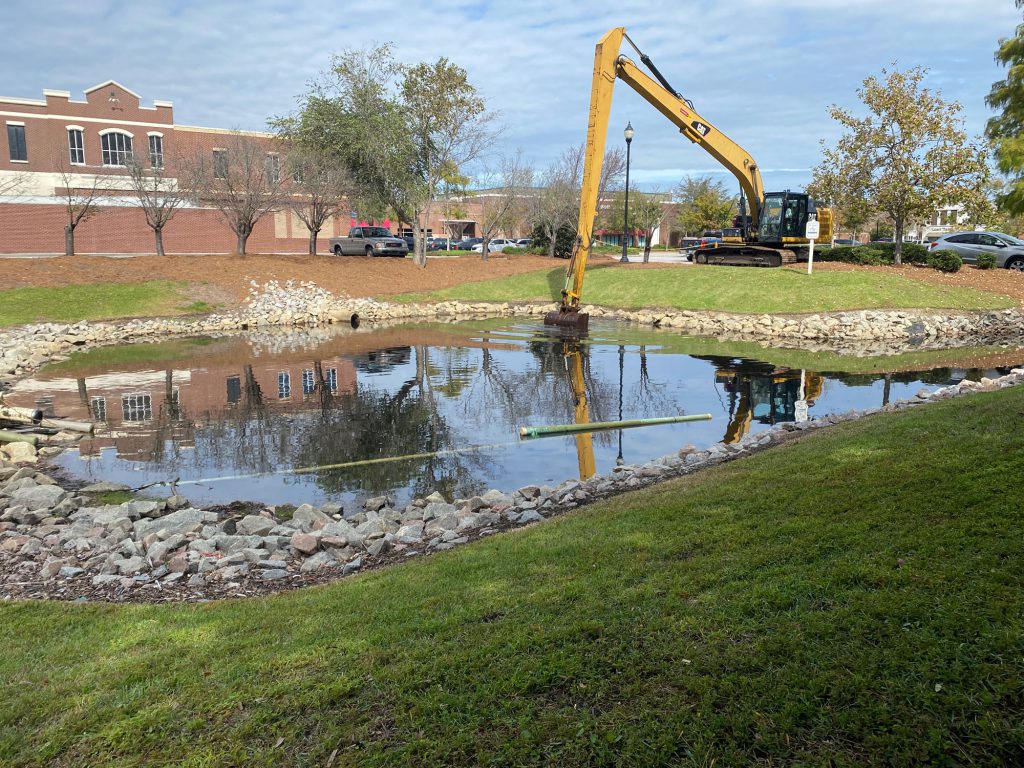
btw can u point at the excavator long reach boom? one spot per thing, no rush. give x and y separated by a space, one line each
609 65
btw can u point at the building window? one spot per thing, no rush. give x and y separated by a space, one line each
308 382
117 148
331 379
137 407
98 406
76 146
284 385
156 151
273 165
220 163
234 389
16 142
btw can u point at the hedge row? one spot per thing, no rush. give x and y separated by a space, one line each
879 254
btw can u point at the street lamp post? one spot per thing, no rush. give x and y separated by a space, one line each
628 133
622 357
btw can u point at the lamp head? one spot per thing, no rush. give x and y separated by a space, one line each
628 133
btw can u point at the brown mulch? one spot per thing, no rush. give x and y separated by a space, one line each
230 276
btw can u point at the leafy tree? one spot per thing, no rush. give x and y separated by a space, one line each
1006 130
402 133
704 204
646 213
320 189
910 154
846 199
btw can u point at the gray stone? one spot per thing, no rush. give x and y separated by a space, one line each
309 518
104 486
274 574
375 504
530 516
51 568
70 571
435 498
317 561
130 566
272 564
529 492
437 509
371 528
183 521
233 544
144 508
103 579
176 502
352 566
159 551
331 508
39 497
255 525
197 581
378 547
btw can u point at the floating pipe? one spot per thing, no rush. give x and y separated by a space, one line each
567 429
17 437
27 416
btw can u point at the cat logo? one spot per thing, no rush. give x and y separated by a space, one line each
700 127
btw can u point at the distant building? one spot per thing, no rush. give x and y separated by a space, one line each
94 137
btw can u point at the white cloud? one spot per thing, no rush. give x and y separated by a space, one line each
765 73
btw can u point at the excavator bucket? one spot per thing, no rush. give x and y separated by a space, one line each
568 318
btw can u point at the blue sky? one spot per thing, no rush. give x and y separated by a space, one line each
765 73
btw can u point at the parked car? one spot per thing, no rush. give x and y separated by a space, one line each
466 244
410 242
438 244
368 241
710 239
524 242
497 245
1009 251
843 241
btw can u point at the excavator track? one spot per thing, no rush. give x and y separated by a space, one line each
745 256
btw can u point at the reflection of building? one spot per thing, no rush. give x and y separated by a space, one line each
137 410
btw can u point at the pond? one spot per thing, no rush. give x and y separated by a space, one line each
412 409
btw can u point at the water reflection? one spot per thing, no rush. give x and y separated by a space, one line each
398 406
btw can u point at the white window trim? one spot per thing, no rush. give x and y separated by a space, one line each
155 133
105 131
74 128
80 129
16 122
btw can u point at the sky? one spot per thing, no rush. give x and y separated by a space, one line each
764 73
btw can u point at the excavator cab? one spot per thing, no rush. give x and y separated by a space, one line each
784 217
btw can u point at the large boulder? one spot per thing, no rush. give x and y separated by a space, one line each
38 497
183 522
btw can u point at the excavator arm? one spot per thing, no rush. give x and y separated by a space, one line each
609 65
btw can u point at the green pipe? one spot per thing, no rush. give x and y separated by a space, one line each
17 437
567 429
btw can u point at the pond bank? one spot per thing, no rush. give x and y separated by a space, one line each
58 541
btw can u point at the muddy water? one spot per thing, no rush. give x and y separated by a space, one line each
394 410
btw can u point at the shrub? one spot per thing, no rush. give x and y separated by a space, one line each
852 254
945 261
914 253
565 239
986 261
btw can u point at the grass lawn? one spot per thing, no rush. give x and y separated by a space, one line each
856 598
728 290
99 301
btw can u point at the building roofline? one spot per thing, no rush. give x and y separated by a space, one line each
112 82
223 131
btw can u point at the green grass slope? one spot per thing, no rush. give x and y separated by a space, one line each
748 291
851 599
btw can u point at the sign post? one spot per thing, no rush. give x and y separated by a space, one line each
811 233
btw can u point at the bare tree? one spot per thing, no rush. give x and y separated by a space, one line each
159 194
501 208
11 185
320 189
556 204
242 181
80 194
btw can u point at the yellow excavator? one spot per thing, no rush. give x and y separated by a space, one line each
772 233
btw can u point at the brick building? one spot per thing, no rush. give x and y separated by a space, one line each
92 138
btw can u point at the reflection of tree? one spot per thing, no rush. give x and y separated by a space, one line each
373 424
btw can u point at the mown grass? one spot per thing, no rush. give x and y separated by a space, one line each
748 291
852 599
99 301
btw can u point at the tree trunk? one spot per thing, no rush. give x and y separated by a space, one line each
312 242
897 241
159 232
483 250
243 238
647 246
69 240
551 242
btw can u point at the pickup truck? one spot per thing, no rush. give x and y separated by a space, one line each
368 241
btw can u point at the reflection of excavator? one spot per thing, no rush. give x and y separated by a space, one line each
772 232
584 441
770 397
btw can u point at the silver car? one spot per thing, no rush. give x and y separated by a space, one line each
1009 251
